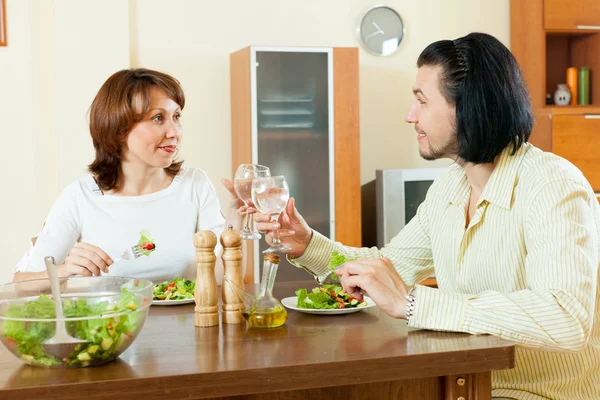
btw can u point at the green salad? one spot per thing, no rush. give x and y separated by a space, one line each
117 323
336 260
177 289
146 243
327 296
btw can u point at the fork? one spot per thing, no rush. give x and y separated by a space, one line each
131 253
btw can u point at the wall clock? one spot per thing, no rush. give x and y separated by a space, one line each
381 30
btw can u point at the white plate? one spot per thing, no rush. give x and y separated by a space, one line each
291 303
171 302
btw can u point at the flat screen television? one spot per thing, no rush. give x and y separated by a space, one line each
399 192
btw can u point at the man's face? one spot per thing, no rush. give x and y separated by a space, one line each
433 117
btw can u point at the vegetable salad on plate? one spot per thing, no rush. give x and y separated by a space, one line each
176 289
327 297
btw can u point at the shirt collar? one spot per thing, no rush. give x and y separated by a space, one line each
461 189
500 187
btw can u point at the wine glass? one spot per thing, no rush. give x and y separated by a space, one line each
270 196
242 183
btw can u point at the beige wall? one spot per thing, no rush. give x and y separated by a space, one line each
60 52
18 197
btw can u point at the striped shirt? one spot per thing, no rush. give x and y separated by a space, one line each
524 269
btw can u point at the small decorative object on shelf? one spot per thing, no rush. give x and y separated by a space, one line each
584 86
562 95
573 83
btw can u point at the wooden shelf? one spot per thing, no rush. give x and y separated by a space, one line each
573 32
545 41
572 49
568 110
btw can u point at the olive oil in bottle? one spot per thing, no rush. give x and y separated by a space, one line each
266 311
266 318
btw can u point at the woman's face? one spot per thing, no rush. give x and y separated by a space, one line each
155 140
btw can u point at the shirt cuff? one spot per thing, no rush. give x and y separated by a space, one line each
438 310
315 259
30 263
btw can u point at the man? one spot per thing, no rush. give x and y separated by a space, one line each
511 232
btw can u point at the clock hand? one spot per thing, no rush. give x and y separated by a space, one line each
377 26
373 34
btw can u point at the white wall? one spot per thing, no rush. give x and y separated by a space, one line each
60 52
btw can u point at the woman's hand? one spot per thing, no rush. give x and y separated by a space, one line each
237 208
379 280
85 259
293 229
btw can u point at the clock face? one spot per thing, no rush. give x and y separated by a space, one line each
381 31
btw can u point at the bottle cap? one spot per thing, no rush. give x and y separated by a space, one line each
272 257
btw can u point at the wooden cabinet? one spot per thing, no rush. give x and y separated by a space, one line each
571 14
577 138
547 37
296 110
541 136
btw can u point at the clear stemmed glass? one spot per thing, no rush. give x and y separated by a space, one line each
242 183
270 196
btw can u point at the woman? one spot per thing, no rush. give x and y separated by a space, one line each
134 184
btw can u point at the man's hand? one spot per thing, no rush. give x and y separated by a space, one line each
379 280
293 229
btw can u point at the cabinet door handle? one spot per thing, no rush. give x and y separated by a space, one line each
595 27
591 116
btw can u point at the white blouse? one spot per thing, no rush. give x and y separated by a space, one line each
113 223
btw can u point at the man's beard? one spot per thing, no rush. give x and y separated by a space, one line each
447 150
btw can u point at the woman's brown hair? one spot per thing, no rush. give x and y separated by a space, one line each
115 111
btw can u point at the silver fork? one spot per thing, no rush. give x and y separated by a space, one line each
131 253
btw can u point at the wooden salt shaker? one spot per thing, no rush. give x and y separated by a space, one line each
206 294
231 240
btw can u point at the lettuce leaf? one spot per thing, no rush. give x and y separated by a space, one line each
335 261
145 237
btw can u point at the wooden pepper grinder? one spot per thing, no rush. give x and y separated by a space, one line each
206 294
231 240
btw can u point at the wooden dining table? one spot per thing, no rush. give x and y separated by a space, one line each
362 355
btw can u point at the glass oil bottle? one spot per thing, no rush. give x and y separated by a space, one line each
263 311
